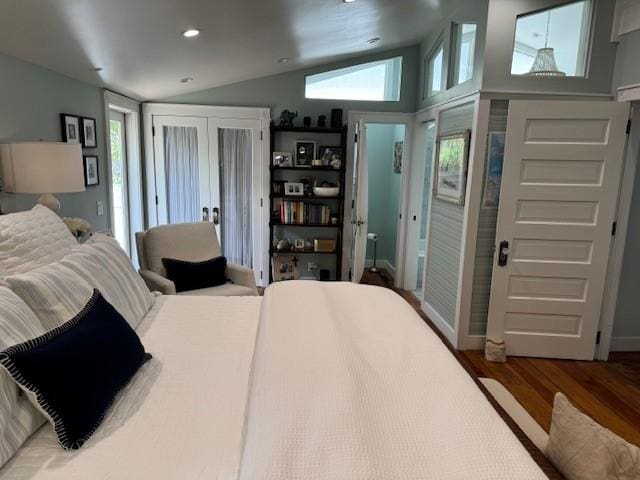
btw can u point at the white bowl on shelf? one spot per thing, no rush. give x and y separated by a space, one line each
326 191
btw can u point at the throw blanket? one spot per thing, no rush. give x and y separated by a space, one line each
349 383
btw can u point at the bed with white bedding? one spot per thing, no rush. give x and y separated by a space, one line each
353 386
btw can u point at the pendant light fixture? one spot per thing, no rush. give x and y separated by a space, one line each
544 64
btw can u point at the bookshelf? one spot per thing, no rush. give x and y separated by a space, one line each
308 221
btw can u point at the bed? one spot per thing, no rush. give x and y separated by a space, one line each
313 381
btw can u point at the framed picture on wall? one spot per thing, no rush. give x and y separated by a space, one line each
88 132
91 175
452 157
70 125
398 147
493 178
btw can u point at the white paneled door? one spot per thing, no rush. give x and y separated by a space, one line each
560 182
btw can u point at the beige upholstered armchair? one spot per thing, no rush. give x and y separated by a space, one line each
193 242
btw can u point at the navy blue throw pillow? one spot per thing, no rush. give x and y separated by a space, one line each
76 370
195 275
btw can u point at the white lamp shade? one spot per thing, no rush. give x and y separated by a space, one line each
42 167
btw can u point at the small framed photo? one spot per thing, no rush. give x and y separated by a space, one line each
294 189
91 175
398 147
285 267
330 156
88 132
452 156
298 244
305 152
70 128
282 159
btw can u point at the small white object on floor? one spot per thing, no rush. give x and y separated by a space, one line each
495 351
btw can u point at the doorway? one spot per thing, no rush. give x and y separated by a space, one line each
381 154
207 165
119 181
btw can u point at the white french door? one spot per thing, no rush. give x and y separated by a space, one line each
182 169
360 203
560 182
119 179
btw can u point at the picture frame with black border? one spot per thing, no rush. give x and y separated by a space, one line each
91 170
328 154
70 127
88 132
282 159
305 153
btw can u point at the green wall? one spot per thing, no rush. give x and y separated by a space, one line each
31 100
286 90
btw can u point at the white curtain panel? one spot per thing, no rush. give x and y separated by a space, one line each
181 173
235 194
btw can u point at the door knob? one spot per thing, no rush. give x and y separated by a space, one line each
216 216
205 214
503 253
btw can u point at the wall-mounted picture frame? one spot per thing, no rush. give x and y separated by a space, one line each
282 159
398 148
493 177
70 125
294 189
91 172
452 158
305 153
88 132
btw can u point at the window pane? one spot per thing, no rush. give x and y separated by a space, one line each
435 71
374 81
566 29
117 184
465 38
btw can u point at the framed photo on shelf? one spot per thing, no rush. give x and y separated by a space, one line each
452 156
70 128
91 175
298 244
285 267
88 131
330 156
294 189
305 152
282 159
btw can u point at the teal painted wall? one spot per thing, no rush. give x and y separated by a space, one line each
286 90
384 189
31 100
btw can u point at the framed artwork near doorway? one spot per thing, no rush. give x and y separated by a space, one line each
452 157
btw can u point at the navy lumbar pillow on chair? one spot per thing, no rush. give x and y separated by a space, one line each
189 276
74 372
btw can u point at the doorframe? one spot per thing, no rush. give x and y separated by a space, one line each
135 192
616 255
353 117
263 115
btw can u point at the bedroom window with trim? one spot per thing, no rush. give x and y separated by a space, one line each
377 81
566 29
434 70
464 42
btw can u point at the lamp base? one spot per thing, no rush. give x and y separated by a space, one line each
49 201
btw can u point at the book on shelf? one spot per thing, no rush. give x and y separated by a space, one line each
301 213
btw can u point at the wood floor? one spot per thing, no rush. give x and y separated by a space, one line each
609 392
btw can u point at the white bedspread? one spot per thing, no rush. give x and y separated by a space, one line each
350 384
181 417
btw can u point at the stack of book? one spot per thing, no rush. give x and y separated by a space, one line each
301 213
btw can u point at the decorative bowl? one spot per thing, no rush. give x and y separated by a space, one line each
326 191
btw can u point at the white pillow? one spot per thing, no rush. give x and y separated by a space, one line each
31 239
18 417
57 292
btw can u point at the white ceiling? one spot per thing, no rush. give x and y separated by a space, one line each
139 46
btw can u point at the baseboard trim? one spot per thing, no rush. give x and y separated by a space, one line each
625 344
441 324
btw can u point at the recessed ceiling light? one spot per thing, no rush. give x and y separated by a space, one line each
192 32
371 41
186 80
283 60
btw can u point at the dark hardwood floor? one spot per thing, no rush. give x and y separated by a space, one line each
609 392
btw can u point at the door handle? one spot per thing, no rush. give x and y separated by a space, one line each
205 214
216 216
503 253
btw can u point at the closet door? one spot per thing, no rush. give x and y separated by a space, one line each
183 171
361 204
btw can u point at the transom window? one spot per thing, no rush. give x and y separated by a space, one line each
374 81
464 40
434 71
553 42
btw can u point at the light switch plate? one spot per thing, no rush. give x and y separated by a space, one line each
100 205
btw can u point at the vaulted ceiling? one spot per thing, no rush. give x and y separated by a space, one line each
136 46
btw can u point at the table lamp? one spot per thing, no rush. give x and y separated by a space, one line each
44 168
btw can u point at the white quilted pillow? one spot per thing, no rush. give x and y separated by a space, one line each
18 417
31 239
58 291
